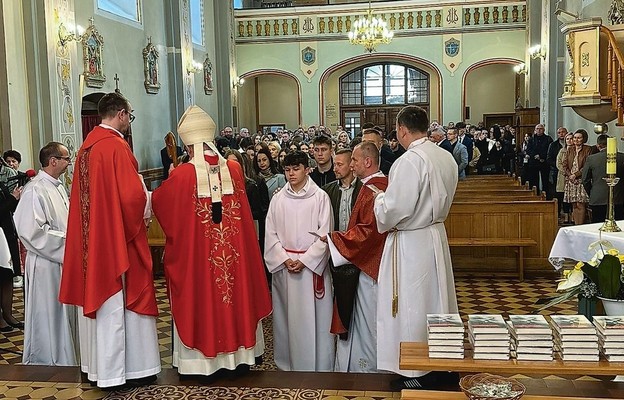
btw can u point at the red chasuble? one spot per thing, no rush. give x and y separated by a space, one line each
106 235
215 274
361 243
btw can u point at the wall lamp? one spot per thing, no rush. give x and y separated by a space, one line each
238 82
194 67
537 51
65 36
520 69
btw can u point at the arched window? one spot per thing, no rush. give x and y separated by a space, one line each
375 93
385 84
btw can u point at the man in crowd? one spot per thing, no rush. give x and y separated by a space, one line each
393 142
298 216
324 171
107 268
342 193
465 139
551 159
594 172
438 136
459 152
375 136
214 269
416 275
227 134
362 245
537 167
50 336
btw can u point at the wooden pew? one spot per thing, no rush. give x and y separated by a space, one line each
156 240
479 232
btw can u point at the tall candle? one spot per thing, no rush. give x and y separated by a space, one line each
611 155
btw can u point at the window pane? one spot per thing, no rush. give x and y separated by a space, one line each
373 85
395 84
128 9
352 121
417 87
197 21
351 89
238 4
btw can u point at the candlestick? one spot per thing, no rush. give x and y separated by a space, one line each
611 156
610 225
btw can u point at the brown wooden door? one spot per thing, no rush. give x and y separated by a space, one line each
383 117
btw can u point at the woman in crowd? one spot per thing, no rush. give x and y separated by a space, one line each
281 156
343 138
13 158
560 187
574 192
266 167
275 148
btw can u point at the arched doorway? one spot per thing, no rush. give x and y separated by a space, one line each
265 101
492 89
90 118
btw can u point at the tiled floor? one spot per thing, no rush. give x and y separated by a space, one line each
475 295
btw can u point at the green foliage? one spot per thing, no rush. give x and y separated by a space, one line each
606 276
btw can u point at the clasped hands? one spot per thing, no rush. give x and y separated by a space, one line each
294 266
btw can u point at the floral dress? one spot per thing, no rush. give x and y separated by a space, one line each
574 192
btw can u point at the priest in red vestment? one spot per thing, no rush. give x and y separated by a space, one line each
361 245
214 269
107 268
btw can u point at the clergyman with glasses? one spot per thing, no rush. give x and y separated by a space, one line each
50 336
107 269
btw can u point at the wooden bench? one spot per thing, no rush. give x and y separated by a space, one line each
479 230
518 243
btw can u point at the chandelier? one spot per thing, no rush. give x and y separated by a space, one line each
370 31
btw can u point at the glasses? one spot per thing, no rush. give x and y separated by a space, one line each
68 159
131 116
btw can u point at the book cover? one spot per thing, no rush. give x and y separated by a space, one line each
446 349
572 324
534 357
445 336
576 350
614 358
443 342
610 325
578 357
487 323
533 350
533 343
613 351
610 345
491 356
444 323
490 336
530 324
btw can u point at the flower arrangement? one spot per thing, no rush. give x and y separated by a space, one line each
600 277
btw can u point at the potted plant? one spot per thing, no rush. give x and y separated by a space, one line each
601 278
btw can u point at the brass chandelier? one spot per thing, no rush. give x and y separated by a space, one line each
370 31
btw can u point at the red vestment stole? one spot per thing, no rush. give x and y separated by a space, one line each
361 244
215 274
106 235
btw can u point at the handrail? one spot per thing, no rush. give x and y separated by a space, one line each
615 79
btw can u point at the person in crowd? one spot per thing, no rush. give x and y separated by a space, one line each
375 136
574 192
250 151
280 158
464 138
275 149
537 167
343 138
213 264
523 159
459 152
594 172
438 136
298 216
50 336
394 144
361 246
266 167
551 158
112 284
10 263
167 161
13 158
566 208
343 193
227 134
414 280
244 143
323 151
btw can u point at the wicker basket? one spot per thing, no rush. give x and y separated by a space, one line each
468 382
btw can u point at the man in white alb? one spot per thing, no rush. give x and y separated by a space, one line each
50 336
416 275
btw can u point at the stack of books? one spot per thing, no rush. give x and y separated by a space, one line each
575 338
611 337
531 338
489 337
445 336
